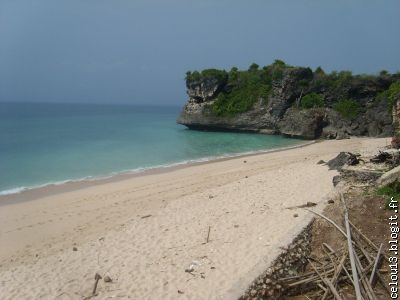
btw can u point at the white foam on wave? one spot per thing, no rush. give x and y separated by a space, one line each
12 191
18 190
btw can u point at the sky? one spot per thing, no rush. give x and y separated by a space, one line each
138 51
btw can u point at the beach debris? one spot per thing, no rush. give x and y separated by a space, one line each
343 158
145 216
348 270
381 157
331 201
208 234
320 162
308 204
212 268
389 177
74 249
97 277
192 266
107 279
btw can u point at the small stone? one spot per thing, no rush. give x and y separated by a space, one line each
212 268
330 201
311 204
190 270
336 179
246 176
180 292
245 161
74 249
210 196
253 292
320 162
236 226
295 215
107 279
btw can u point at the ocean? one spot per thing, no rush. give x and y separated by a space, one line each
43 144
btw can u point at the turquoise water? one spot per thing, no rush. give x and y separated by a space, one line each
52 143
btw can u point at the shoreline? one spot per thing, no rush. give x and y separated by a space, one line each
227 218
50 189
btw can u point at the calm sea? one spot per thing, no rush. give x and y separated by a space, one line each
53 143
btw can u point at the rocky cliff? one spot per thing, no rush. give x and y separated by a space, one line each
293 101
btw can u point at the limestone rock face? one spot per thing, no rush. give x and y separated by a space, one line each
287 91
280 112
306 124
203 90
201 116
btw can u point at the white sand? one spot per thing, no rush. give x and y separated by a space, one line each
147 257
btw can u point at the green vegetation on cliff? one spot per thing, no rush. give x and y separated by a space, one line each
239 90
245 88
312 100
393 93
220 75
347 108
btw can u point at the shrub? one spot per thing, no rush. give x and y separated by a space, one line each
193 76
389 191
312 100
220 75
383 73
393 93
253 67
233 75
319 71
246 90
347 108
279 63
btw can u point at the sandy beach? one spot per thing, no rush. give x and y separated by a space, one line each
144 231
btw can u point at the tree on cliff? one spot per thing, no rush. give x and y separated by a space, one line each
394 100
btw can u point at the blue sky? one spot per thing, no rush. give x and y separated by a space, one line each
137 51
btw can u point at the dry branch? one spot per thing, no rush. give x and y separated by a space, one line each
351 251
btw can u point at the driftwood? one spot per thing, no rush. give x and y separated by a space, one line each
376 265
351 251
97 277
208 234
381 157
